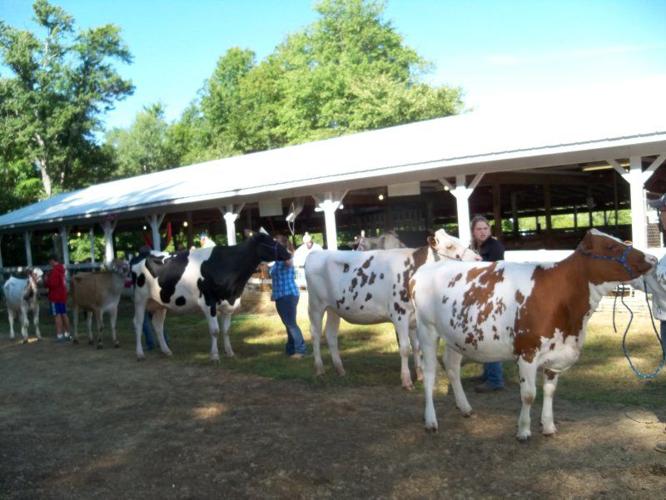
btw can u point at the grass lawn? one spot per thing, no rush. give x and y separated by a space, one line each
370 355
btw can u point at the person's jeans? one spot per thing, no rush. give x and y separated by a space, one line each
493 374
663 337
149 332
286 308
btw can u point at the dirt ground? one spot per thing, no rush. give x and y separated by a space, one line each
80 423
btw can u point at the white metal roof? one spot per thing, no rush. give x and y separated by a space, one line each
468 143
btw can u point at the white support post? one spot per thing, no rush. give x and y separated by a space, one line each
108 226
27 236
636 178
328 203
462 194
64 240
230 214
1 263
155 221
92 244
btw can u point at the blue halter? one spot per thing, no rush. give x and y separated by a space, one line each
622 259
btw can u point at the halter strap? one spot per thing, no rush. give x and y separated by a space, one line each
622 259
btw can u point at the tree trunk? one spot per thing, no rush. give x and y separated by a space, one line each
43 168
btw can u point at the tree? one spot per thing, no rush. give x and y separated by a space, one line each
52 103
144 147
349 71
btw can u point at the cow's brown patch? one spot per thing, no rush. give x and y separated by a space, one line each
420 256
345 268
368 296
549 374
454 280
398 308
560 300
366 264
354 282
519 297
373 276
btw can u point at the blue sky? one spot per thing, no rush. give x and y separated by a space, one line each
502 53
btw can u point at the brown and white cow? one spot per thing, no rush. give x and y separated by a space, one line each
535 314
98 293
22 297
369 288
386 241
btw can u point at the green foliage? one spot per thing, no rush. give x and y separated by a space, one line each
145 147
50 105
79 248
348 71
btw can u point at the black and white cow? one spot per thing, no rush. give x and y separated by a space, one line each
22 297
370 287
210 280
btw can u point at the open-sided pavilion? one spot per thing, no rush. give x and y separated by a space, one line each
413 177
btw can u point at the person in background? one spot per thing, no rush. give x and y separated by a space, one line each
57 286
655 283
206 242
286 295
301 254
491 250
148 331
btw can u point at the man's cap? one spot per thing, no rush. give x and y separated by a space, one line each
659 202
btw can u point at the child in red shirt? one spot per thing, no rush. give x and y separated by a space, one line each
55 282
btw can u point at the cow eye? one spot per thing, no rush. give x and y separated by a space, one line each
449 247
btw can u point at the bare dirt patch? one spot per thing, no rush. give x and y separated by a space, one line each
80 423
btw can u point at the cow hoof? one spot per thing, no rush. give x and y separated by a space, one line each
140 358
116 345
100 346
467 414
91 342
523 438
215 359
340 370
431 429
408 387
168 353
24 341
75 341
549 432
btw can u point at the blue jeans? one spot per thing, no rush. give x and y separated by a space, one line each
663 337
149 332
493 374
286 308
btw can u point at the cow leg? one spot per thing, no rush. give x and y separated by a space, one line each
100 325
452 361
549 385
402 332
24 324
10 316
139 313
527 371
89 318
225 320
35 320
213 330
416 349
316 316
332 326
428 342
113 319
158 323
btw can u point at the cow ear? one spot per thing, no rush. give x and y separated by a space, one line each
588 241
431 240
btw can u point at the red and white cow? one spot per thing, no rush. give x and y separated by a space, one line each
22 297
535 314
206 280
370 287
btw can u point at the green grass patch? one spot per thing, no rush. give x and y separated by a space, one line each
370 355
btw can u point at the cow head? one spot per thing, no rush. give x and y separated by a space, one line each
268 249
119 266
450 247
609 259
36 275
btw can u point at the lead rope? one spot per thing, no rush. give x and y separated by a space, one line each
639 374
